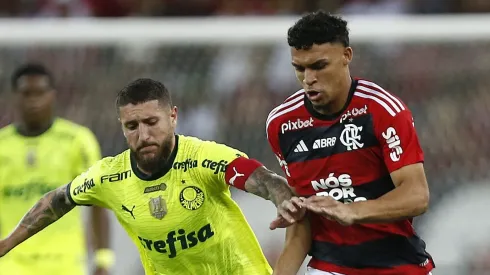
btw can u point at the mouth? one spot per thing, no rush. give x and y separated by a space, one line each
313 95
148 149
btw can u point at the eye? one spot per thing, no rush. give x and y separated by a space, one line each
299 68
152 121
131 126
318 66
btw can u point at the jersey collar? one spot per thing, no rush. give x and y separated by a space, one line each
334 116
24 133
165 167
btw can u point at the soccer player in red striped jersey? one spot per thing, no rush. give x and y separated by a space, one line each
350 151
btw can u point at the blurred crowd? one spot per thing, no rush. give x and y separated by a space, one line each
123 8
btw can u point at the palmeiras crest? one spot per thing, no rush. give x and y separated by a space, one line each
158 207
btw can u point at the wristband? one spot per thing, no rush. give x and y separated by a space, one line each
238 171
104 258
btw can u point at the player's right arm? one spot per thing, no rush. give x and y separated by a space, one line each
83 190
296 247
46 211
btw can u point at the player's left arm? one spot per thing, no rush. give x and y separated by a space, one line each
253 177
88 153
404 158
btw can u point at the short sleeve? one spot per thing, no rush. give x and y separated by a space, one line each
87 151
398 139
86 189
215 158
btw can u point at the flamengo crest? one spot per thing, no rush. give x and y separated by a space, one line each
351 137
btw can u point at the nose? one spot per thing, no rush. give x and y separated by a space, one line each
144 132
310 77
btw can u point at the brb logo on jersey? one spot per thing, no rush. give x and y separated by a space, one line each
351 137
324 143
338 187
296 125
186 240
394 143
191 198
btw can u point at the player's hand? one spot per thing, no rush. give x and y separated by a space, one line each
288 212
331 209
101 271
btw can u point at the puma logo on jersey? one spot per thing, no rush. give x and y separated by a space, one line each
237 174
124 208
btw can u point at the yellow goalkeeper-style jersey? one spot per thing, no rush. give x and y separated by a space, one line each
183 219
31 166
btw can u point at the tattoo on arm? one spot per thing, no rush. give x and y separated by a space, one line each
47 210
268 185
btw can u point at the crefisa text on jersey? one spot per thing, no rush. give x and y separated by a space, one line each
185 165
186 240
87 185
216 166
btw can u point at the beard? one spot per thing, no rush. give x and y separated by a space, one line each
152 163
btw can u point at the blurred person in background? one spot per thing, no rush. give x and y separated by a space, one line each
350 149
40 152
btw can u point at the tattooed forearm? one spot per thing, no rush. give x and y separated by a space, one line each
47 210
268 185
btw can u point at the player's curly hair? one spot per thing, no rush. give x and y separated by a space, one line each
143 90
28 70
318 28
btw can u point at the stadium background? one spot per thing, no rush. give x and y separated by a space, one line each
225 93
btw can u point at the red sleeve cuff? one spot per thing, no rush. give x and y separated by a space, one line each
239 170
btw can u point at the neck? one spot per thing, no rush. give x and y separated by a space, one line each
33 129
338 103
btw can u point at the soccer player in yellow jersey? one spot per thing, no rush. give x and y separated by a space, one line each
171 194
39 153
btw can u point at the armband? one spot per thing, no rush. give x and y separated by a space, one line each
239 170
104 258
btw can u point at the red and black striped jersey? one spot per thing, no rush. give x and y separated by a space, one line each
349 156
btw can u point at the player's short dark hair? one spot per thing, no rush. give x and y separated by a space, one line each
143 90
30 69
318 28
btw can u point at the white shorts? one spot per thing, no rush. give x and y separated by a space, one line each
312 271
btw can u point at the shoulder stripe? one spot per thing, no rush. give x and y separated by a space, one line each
379 88
381 95
295 94
382 103
301 103
299 96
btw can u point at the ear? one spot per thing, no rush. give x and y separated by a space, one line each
348 53
173 116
